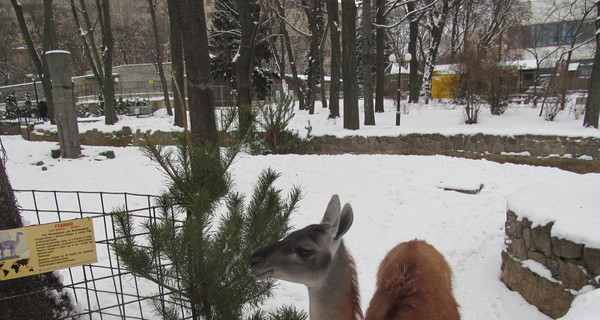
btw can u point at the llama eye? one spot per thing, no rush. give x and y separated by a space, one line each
304 253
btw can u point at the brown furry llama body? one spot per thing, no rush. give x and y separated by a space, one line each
414 282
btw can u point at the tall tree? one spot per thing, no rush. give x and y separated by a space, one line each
298 88
349 72
177 67
316 25
244 61
413 77
110 114
367 62
336 54
592 106
380 55
40 64
101 65
158 56
197 66
435 21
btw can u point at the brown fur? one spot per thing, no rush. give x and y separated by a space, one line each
354 293
413 283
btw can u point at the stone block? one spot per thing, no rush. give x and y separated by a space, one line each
566 249
540 238
517 248
512 228
573 276
537 256
592 259
551 298
526 233
555 266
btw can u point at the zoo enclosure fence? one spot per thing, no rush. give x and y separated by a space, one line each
103 290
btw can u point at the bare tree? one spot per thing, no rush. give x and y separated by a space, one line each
298 88
334 85
434 22
592 106
101 65
40 65
158 56
367 61
349 72
380 32
177 67
316 25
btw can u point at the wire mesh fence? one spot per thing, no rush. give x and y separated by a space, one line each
103 290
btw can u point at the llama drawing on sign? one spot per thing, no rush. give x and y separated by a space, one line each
10 245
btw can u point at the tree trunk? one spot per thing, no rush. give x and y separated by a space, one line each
349 73
159 59
413 78
288 47
437 22
380 59
110 115
197 64
367 61
314 16
34 297
592 106
244 63
177 68
334 85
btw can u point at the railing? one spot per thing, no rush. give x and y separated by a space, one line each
103 290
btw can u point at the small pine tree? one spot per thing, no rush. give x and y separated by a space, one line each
205 257
12 107
274 120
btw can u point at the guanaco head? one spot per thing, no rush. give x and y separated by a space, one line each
305 255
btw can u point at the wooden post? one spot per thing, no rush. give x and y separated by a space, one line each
59 63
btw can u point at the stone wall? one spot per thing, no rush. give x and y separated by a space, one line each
118 138
426 144
571 265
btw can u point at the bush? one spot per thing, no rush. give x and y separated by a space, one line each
274 119
12 107
206 234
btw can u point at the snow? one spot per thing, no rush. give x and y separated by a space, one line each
552 201
395 198
585 307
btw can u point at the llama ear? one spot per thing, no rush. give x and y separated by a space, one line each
345 222
332 213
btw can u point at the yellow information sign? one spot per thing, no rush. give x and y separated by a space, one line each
46 247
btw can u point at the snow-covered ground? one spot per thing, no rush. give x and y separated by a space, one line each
395 198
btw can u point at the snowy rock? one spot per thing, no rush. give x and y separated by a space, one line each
553 225
549 297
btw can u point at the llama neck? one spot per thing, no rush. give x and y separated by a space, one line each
337 297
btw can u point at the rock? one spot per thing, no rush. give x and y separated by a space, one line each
39 163
592 259
549 297
517 248
44 168
55 153
573 276
108 154
566 249
540 238
537 256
